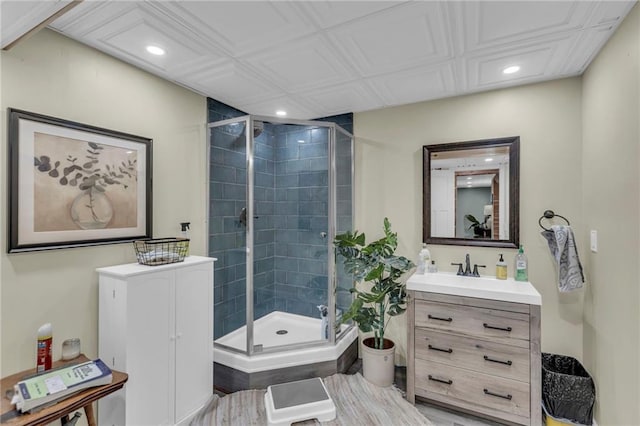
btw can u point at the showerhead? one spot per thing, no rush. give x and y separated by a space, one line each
258 127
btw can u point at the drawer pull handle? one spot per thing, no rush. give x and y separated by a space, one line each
439 318
487 392
446 382
433 348
508 362
497 328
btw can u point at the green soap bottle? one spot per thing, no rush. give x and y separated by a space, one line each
521 264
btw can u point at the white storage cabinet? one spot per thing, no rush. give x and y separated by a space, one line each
156 324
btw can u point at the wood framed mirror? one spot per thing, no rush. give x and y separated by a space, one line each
471 193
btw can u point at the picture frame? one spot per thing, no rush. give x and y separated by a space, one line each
75 185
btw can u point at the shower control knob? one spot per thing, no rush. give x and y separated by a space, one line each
323 234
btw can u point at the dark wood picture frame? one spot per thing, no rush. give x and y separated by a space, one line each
513 143
75 185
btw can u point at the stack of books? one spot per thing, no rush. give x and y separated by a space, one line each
47 388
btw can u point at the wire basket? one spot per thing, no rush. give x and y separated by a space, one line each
161 251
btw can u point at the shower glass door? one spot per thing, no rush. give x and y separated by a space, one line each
279 192
291 234
344 219
229 166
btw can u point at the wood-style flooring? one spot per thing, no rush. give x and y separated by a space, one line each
439 416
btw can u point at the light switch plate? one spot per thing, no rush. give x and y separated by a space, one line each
594 241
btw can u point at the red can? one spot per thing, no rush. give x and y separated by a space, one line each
45 348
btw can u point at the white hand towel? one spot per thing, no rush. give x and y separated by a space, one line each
563 248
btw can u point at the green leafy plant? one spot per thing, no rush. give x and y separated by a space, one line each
480 230
377 264
474 222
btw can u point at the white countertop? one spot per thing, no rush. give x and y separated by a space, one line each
131 269
508 290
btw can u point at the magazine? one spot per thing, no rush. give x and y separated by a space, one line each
54 385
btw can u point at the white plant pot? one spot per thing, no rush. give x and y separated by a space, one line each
378 364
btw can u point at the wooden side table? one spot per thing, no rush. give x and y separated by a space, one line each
60 410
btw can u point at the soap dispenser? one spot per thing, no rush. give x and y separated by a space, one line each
424 259
521 272
184 233
501 269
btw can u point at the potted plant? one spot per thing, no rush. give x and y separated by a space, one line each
480 230
384 294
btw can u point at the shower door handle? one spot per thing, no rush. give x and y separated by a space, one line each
243 216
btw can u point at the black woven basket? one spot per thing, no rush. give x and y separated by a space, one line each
161 251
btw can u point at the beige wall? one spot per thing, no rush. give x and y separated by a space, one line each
580 156
53 75
546 116
611 191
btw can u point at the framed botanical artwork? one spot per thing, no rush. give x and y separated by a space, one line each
73 185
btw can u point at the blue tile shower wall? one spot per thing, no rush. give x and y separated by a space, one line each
217 111
264 235
343 120
301 208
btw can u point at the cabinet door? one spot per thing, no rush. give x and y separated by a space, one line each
194 338
150 354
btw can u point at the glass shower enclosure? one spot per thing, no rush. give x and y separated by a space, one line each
279 191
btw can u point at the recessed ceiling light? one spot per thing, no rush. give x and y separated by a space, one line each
300 140
155 50
469 178
281 113
488 159
511 69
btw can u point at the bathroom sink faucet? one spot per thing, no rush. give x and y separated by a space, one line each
467 268
475 270
459 265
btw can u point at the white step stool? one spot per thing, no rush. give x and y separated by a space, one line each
292 402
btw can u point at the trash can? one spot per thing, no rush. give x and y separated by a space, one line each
568 392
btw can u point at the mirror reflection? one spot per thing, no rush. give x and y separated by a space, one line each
470 193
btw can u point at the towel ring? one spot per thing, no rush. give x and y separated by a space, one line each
549 214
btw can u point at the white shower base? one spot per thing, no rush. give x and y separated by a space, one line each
300 329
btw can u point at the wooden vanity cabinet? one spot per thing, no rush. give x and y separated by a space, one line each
476 355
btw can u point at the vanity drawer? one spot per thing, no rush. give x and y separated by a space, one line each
506 361
500 326
479 391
